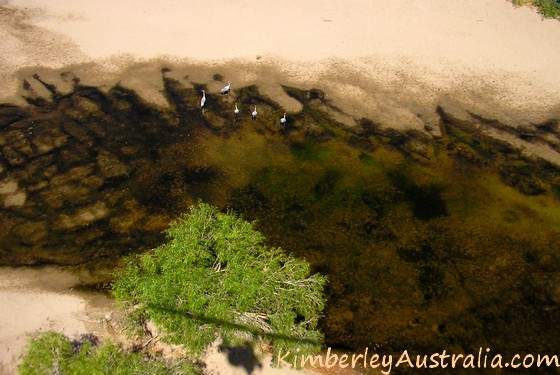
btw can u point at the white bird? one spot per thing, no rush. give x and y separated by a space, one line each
203 100
255 113
225 89
283 119
236 111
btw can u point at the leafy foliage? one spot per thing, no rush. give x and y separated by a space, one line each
215 276
52 353
46 354
548 8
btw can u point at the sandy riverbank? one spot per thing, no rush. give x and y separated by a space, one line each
48 298
42 299
390 61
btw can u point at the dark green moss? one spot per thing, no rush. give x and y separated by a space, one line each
308 151
556 190
426 200
431 280
424 254
327 183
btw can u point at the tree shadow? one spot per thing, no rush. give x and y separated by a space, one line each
238 355
242 356
257 333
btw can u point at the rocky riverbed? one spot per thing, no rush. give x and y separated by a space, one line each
444 237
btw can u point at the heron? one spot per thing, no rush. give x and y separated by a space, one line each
203 100
236 111
255 113
225 89
283 119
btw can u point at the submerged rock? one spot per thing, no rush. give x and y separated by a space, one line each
16 199
47 138
17 140
110 166
82 217
11 195
8 187
31 233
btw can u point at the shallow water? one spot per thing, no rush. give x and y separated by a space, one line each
429 243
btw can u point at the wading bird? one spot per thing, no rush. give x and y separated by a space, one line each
225 89
203 100
283 119
254 114
236 111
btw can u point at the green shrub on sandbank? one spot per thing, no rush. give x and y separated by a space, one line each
216 278
53 353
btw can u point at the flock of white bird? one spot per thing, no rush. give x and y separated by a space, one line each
225 90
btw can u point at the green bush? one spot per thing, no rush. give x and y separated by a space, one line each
46 354
214 277
52 353
548 8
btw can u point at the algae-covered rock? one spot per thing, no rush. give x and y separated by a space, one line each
31 233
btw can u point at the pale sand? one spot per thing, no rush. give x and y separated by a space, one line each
36 300
392 61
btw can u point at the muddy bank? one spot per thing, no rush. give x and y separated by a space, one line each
439 237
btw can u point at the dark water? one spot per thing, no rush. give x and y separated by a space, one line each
429 243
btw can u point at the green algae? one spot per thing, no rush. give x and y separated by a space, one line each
427 243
